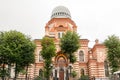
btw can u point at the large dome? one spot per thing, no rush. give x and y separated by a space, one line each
60 12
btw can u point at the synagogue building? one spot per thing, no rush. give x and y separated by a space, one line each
90 61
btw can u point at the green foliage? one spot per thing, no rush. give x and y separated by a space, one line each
4 73
70 44
38 78
74 74
48 48
72 58
113 52
48 51
16 48
84 77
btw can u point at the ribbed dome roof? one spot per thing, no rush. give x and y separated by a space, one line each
60 12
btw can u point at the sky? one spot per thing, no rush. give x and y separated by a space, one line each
95 19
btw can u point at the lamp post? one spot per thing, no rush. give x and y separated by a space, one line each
70 67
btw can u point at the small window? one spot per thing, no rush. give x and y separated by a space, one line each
60 34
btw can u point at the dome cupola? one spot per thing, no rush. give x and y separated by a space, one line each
60 12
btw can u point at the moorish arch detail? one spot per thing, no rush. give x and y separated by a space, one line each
61 56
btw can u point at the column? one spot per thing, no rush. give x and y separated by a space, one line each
58 72
53 71
64 73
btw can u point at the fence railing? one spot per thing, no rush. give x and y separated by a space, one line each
102 79
111 78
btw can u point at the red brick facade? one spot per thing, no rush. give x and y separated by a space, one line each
90 61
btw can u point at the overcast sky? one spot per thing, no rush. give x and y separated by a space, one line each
96 19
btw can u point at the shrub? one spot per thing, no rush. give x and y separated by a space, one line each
84 77
74 74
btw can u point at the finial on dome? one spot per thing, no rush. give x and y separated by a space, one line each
61 12
96 41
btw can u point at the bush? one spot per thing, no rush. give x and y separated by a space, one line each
74 74
84 77
38 78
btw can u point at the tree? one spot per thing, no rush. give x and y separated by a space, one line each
48 51
113 52
70 44
28 56
14 49
3 56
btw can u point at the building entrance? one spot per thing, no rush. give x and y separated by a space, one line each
61 67
61 74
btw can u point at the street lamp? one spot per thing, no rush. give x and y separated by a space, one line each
70 67
51 66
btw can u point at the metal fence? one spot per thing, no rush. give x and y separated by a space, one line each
102 79
17 79
111 78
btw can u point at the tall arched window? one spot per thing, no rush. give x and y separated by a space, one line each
41 73
106 68
40 56
81 56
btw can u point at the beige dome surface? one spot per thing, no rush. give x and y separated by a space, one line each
61 12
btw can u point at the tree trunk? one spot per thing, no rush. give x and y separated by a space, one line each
26 75
15 72
70 56
9 70
3 73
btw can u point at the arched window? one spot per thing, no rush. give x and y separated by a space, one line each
40 57
60 25
41 73
61 62
106 68
81 56
82 72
